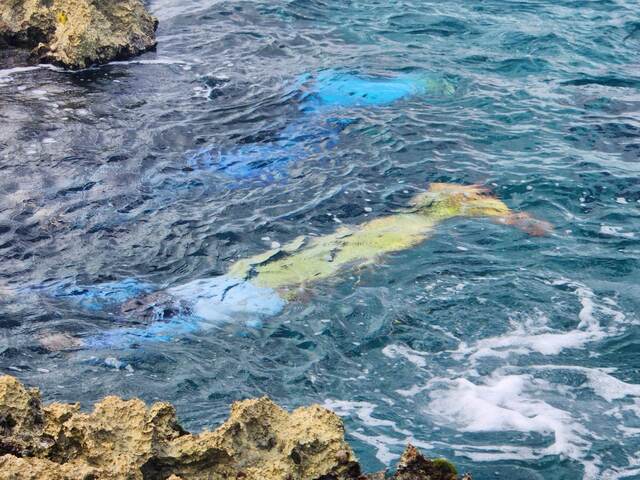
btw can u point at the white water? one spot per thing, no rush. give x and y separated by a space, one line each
531 399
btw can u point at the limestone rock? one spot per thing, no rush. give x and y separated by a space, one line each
21 418
15 468
125 439
77 33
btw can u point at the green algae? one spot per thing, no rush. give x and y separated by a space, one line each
444 467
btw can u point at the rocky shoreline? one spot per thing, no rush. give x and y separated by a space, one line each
125 439
77 33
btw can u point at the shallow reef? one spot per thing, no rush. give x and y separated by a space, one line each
125 439
77 33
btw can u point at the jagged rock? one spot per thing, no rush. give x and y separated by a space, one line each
21 418
77 33
414 466
125 439
15 468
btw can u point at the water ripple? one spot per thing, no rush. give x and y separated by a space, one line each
538 335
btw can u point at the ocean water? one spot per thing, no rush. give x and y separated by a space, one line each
518 357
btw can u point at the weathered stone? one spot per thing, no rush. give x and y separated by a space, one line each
125 439
15 468
21 419
77 33
414 466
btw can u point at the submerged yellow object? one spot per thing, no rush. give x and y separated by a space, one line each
307 260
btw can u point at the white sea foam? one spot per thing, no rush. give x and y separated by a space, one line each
379 440
535 335
411 391
494 454
601 382
364 411
609 387
381 443
507 403
615 232
154 61
9 72
402 351
629 431
518 398
631 473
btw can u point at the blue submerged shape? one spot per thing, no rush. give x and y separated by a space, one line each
336 89
226 299
157 332
103 295
208 303
267 161
330 91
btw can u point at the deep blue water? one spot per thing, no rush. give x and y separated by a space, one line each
518 357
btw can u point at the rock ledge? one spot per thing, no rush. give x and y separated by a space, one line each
77 33
124 439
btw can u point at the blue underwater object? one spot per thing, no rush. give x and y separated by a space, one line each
156 332
324 96
188 308
336 89
267 160
225 298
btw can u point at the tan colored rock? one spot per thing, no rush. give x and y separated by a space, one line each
77 33
21 419
125 439
14 468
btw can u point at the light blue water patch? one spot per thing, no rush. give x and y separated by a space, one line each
100 296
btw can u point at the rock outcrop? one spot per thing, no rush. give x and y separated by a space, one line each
125 439
77 33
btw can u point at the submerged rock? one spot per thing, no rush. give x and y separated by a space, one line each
125 439
77 33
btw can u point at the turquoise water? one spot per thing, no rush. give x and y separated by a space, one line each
515 356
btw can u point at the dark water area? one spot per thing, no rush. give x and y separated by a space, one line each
516 356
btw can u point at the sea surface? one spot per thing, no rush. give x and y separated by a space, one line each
518 357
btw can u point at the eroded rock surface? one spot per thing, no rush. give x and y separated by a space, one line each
125 439
414 466
77 33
